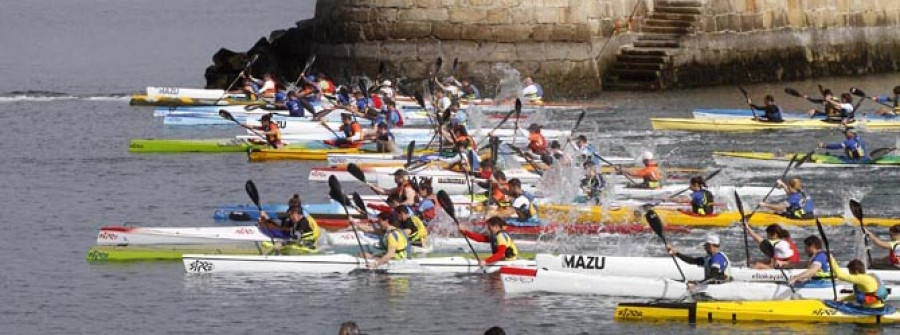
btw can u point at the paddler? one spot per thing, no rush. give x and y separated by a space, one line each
716 266
818 269
593 182
868 290
701 199
384 139
449 86
270 130
537 143
502 246
404 191
532 91
464 144
443 102
304 226
798 205
500 190
785 251
386 90
390 115
892 260
427 206
558 155
326 86
853 146
469 91
895 102
835 110
393 240
586 150
652 176
351 130
522 204
772 113
412 225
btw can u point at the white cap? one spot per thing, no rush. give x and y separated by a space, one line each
386 83
647 156
712 239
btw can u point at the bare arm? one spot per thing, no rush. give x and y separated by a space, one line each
806 274
878 242
756 237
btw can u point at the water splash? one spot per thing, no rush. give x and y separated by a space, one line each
510 81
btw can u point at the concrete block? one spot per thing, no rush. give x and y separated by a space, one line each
498 16
548 15
410 30
423 14
542 33
476 32
511 33
446 30
530 51
467 15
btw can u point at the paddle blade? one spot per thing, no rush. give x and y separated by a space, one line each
309 62
518 106
446 116
767 248
857 92
793 92
711 175
409 152
744 92
226 115
361 84
880 152
455 65
420 99
357 173
358 201
821 90
335 192
739 203
856 209
437 65
578 122
804 159
446 203
655 223
252 192
382 66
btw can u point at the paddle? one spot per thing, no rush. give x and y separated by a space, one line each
747 98
309 62
517 108
382 66
858 103
656 224
740 206
447 205
858 92
880 152
577 123
357 173
769 250
828 251
857 210
705 179
409 152
337 195
324 124
250 187
614 165
791 91
252 60
360 204
804 159
455 64
420 100
227 116
791 163
518 116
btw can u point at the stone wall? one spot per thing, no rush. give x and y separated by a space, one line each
556 41
774 40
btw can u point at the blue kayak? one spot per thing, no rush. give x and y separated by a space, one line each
249 212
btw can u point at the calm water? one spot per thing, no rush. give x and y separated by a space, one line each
67 172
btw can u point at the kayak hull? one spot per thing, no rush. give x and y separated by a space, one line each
747 311
779 160
747 125
337 263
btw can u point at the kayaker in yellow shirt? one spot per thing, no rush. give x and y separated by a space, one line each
868 290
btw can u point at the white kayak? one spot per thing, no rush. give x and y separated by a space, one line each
347 239
453 183
335 263
400 159
663 267
404 135
719 192
542 280
143 236
193 93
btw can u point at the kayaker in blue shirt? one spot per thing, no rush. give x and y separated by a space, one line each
522 205
895 101
817 270
716 266
772 111
586 150
798 205
853 146
294 105
390 115
593 182
701 199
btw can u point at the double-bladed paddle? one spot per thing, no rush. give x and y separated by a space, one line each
227 116
338 196
828 251
614 165
705 179
656 224
577 123
858 92
447 204
249 63
747 98
253 193
740 206
880 152
856 209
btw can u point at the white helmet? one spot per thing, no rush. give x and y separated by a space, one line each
647 156
386 83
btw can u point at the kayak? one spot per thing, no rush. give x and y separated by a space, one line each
732 124
405 135
664 267
155 100
718 191
816 311
195 93
744 113
347 240
168 252
780 160
249 212
335 263
269 154
454 183
542 280
140 145
390 159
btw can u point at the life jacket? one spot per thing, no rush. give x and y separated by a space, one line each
833 113
351 131
403 247
537 143
308 230
499 194
466 142
503 238
795 257
420 234
326 86
867 299
270 90
825 270
854 148
801 209
651 175
707 266
376 101
894 255
705 206
274 138
400 119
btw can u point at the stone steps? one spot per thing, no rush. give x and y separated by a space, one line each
640 66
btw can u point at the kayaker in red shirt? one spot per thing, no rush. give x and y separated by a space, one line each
502 246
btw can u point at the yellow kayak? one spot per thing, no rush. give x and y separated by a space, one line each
594 214
726 124
151 100
754 311
268 154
